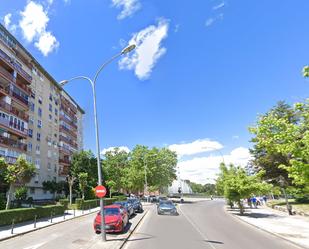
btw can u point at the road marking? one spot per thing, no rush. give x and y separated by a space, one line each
196 228
35 246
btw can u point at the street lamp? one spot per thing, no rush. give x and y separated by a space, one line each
93 84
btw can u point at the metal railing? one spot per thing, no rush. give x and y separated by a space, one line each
13 143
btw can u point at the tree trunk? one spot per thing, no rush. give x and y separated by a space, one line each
70 187
288 206
83 195
241 207
8 199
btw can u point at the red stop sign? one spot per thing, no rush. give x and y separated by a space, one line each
100 191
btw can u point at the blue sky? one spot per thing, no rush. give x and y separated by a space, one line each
201 74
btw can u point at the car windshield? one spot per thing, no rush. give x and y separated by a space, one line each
166 205
111 211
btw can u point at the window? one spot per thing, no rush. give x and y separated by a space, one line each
40 112
30 132
31 106
50 97
56 112
55 169
49 154
49 166
39 123
36 178
40 100
37 163
55 135
38 136
31 120
56 102
50 108
56 121
32 190
37 149
50 117
29 147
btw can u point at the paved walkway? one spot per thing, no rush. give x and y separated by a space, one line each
293 228
24 227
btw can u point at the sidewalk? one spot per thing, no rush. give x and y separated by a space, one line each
25 227
292 228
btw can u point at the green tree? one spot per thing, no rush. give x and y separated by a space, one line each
20 173
111 186
306 71
21 195
239 185
114 163
82 179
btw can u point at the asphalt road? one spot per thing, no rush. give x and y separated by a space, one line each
201 225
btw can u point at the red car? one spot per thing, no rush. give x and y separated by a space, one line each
116 219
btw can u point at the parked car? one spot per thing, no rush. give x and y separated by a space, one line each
166 207
137 205
126 205
116 218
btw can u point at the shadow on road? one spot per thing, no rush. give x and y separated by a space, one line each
214 242
256 215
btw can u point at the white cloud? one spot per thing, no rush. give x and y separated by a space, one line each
47 43
195 147
129 7
7 20
148 49
235 137
205 169
209 22
33 23
121 148
219 6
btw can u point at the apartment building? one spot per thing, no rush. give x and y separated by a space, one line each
38 118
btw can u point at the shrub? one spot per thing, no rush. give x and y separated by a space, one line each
2 201
64 202
82 204
26 214
302 199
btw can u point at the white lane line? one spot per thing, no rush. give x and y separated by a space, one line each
197 229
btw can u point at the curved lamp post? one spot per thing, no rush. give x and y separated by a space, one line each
93 84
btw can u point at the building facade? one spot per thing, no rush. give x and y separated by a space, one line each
38 118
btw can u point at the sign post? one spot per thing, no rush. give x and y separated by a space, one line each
100 192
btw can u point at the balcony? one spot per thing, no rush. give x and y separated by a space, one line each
64 171
64 161
9 108
65 151
9 61
6 74
68 141
13 143
19 98
69 122
67 131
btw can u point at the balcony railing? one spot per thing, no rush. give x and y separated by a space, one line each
18 68
13 143
64 171
7 107
62 117
68 131
68 141
6 74
65 151
65 161
20 98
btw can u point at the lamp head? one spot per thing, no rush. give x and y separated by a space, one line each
63 82
128 49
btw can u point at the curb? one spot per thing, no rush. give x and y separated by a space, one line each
127 238
264 230
39 228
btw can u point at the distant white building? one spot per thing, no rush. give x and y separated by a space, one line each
173 189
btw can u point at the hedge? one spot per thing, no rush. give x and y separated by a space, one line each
26 214
64 202
86 204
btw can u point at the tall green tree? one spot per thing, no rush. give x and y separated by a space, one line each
20 173
83 180
239 185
